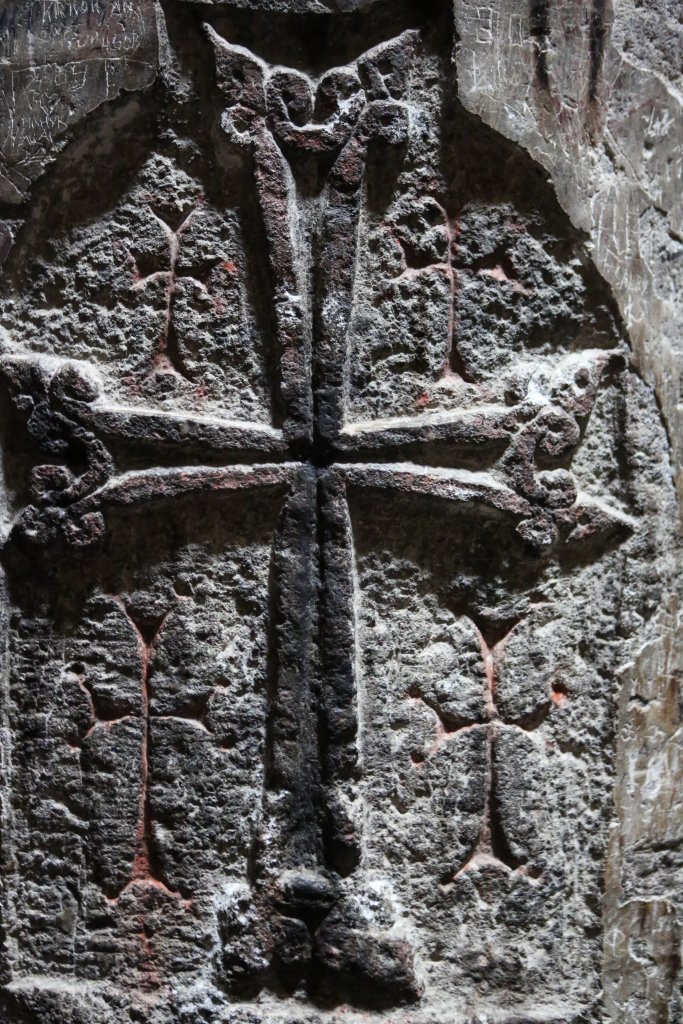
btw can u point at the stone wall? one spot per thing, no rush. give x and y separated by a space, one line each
340 386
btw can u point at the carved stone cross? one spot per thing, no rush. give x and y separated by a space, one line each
307 865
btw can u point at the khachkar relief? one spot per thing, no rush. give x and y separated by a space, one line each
346 508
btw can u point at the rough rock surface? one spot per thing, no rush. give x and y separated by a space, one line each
339 413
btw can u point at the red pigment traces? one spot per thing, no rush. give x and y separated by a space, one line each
143 871
167 358
144 876
142 867
492 847
505 276
93 720
229 266
560 694
132 385
443 730
441 736
444 735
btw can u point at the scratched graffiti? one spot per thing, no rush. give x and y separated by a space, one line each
89 53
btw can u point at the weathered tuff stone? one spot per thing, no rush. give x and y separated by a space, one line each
339 516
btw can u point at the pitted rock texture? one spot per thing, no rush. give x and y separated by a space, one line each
339 532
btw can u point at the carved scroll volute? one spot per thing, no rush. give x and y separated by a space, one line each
48 400
292 105
537 463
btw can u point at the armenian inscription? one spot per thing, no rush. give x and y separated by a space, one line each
334 505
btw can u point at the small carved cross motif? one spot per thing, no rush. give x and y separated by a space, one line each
491 845
167 358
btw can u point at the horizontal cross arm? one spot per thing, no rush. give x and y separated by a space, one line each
82 523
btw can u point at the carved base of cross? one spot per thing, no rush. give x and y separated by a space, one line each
310 935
